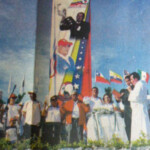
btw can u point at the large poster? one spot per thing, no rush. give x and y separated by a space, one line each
70 58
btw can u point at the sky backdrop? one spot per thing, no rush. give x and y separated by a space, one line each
17 43
120 40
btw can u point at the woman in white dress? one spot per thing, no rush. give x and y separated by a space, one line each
107 118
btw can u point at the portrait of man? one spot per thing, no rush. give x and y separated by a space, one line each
79 29
64 62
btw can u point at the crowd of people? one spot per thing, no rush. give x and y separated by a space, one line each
72 118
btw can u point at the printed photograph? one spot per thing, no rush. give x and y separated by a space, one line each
74 74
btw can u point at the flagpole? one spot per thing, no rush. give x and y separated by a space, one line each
95 78
23 83
9 85
123 80
111 86
22 86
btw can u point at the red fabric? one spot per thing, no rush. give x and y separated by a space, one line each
87 77
116 81
102 80
67 109
147 77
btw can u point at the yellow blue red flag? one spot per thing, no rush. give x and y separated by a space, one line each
114 77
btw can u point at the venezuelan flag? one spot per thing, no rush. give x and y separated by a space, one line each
114 77
79 3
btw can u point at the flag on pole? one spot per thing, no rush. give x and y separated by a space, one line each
144 75
9 85
14 88
126 73
79 3
100 78
12 92
114 77
22 85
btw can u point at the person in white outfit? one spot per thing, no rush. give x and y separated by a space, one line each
32 114
138 98
107 119
52 126
93 126
13 114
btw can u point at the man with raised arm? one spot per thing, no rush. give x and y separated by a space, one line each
79 29
138 98
75 113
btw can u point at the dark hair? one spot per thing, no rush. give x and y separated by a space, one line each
123 90
95 88
54 98
135 75
108 96
127 77
82 14
104 96
66 93
1 101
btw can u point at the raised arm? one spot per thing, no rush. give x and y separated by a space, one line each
67 23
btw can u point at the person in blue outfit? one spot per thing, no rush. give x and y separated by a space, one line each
64 62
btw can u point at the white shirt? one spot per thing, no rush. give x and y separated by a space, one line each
53 115
139 93
140 117
94 103
32 110
75 112
13 111
119 105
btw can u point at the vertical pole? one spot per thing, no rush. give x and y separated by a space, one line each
42 48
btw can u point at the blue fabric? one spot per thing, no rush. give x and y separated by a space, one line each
63 66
